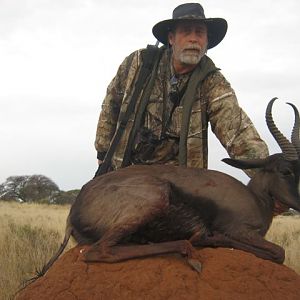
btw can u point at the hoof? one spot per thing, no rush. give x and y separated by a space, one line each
195 264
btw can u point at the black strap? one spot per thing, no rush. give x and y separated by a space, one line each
149 60
204 133
140 112
205 67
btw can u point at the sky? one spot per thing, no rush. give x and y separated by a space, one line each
58 56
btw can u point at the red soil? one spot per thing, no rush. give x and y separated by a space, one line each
227 274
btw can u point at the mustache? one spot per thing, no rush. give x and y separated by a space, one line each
192 47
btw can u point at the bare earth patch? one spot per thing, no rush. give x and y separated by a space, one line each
227 274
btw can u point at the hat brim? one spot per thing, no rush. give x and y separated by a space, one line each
216 30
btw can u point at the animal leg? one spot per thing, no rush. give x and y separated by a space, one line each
123 252
255 244
111 254
108 250
155 197
134 202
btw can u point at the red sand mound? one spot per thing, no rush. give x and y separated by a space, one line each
227 274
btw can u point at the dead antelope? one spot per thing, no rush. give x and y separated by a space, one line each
147 210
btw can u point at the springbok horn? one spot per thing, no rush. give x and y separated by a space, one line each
296 129
288 150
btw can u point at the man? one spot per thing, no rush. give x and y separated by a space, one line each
187 91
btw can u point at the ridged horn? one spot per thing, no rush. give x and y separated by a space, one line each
288 150
295 133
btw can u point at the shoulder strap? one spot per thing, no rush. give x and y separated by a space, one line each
205 67
204 133
148 62
141 109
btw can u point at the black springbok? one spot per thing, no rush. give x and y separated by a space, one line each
147 210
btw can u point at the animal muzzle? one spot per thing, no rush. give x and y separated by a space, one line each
279 208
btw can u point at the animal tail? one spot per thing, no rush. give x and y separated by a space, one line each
46 267
62 247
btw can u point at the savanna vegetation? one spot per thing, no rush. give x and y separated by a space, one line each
31 232
35 188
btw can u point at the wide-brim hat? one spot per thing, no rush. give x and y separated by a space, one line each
216 27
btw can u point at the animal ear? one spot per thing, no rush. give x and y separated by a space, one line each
245 164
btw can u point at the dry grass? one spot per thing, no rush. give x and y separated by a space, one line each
31 233
285 231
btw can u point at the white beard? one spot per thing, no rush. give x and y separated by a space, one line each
188 57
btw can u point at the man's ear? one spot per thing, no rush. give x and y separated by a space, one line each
171 38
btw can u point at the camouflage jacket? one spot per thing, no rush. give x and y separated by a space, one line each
228 121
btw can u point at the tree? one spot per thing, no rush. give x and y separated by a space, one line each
28 188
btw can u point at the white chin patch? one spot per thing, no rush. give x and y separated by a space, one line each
190 59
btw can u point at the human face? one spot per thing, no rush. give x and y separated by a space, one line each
189 44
